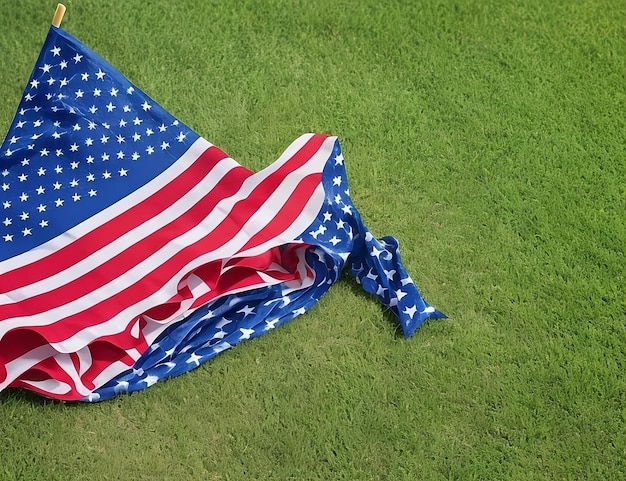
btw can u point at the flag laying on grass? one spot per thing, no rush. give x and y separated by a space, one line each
132 249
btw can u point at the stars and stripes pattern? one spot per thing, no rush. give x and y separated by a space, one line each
132 249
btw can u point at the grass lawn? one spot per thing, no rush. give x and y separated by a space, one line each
488 136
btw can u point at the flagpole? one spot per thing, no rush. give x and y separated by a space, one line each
58 15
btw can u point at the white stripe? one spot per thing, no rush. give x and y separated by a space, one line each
50 386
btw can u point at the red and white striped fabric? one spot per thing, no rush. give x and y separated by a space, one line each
82 307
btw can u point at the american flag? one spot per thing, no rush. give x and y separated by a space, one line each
132 249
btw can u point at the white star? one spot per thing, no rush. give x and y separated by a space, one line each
339 159
43 223
246 310
74 165
8 238
46 68
164 145
410 311
106 174
123 172
84 76
41 208
92 193
400 294
40 190
337 180
150 150
121 386
91 177
56 51
73 183
7 222
377 252
57 185
63 64
162 128
97 92
110 107
34 84
6 204
150 380
5 186
136 137
114 92
390 273
88 141
299 311
59 202
381 290
135 156
24 197
24 215
120 154
245 333
222 322
79 93
100 74
181 137
334 240
105 157
194 358
76 197
347 209
26 232
271 324
77 58
146 106
63 83
58 169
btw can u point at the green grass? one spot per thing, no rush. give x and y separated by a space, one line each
489 137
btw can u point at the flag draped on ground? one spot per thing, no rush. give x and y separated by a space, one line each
132 249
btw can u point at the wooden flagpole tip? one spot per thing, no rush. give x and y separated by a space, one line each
58 15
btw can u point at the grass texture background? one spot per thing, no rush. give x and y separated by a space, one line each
488 136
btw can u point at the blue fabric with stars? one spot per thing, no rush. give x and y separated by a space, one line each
42 193
339 241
